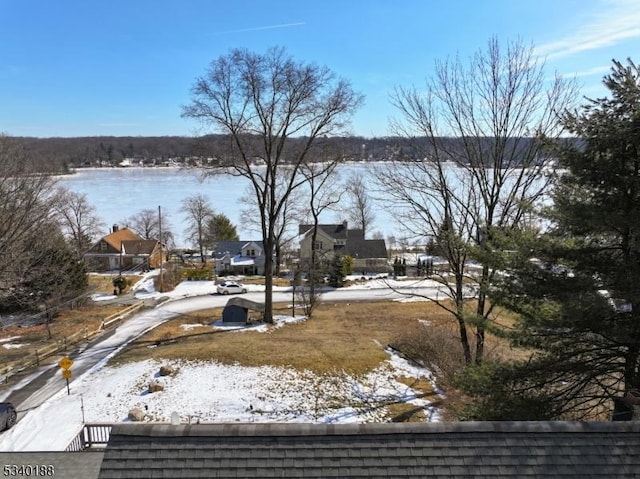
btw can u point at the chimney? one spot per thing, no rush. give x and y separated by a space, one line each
114 228
344 225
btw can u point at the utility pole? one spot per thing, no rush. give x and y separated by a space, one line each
161 249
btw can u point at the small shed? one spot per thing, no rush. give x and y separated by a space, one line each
237 310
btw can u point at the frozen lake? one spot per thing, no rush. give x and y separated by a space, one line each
119 193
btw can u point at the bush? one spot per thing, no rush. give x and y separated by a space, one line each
121 283
436 348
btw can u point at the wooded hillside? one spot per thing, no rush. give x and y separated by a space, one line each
59 155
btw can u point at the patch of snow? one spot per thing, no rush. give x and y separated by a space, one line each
102 297
9 339
386 283
145 285
186 289
14 345
278 322
207 391
189 327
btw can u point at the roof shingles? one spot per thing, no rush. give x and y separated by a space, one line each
498 450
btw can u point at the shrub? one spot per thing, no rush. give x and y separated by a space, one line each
121 283
436 348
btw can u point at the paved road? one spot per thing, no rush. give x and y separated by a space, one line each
33 389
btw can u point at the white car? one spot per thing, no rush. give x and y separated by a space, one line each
230 287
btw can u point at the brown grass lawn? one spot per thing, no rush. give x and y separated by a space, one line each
103 283
348 337
63 326
339 336
260 280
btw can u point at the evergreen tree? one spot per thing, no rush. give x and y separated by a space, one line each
218 227
579 304
338 270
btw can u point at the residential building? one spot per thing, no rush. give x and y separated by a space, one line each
239 257
123 250
370 255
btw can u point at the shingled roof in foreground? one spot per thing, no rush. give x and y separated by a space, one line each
442 450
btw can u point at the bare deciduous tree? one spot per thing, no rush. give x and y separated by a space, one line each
23 209
323 193
481 167
199 212
293 210
78 219
37 270
264 102
359 205
147 223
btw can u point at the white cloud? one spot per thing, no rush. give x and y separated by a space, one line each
610 23
600 71
267 27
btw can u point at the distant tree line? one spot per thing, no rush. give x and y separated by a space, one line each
61 155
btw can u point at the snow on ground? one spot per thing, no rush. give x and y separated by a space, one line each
145 288
102 297
388 283
212 392
207 391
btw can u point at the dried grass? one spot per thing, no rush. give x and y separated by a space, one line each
348 336
63 326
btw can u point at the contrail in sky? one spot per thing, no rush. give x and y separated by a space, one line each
268 27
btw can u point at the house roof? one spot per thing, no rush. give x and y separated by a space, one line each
139 247
239 260
116 238
337 231
232 247
401 450
362 248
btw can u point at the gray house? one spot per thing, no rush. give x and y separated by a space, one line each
370 255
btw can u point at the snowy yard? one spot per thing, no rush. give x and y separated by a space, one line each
208 391
212 392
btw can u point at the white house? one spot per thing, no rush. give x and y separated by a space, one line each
239 257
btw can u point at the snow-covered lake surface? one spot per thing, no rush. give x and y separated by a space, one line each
118 193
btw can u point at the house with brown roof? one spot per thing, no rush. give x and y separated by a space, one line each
123 250
370 255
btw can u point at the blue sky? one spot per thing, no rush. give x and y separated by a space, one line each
125 67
